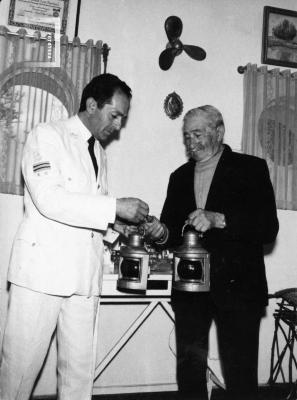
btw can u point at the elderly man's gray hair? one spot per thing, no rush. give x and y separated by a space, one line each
214 115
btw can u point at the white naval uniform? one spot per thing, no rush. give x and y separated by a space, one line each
56 261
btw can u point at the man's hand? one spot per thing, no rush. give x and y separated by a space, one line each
124 229
154 229
132 209
203 220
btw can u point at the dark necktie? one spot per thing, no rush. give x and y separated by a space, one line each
92 154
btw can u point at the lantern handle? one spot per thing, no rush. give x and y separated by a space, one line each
183 228
200 234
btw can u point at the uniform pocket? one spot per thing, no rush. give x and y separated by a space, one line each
25 253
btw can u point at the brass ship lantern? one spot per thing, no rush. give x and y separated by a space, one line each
133 264
191 271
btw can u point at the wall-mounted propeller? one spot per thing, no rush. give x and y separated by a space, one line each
173 28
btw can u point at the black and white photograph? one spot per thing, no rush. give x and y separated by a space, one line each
148 200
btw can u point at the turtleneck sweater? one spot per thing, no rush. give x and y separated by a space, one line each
204 171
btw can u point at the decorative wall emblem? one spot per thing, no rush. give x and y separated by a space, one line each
276 131
173 105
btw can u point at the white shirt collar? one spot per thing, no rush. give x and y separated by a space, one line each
78 128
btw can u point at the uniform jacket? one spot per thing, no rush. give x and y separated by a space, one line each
58 248
241 189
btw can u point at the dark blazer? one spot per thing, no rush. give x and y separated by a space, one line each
241 189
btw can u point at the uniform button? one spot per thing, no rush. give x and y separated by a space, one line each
92 234
33 244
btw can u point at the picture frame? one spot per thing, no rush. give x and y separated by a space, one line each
279 37
38 15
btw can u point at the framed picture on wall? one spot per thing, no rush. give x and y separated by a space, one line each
279 37
40 15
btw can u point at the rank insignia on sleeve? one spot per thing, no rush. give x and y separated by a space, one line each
41 166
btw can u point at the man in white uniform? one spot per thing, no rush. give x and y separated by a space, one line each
56 263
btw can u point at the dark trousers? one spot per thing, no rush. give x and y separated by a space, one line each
238 342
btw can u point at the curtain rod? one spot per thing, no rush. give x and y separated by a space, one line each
241 69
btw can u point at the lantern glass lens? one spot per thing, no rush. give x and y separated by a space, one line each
190 269
130 268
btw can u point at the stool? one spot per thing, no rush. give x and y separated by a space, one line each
284 337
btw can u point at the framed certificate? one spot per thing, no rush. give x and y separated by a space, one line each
39 15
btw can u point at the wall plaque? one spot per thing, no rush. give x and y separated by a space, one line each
173 105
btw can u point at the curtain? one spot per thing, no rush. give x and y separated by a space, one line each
33 92
270 127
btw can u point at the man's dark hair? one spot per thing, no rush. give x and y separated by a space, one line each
102 89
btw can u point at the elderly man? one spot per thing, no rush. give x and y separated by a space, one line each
56 264
229 197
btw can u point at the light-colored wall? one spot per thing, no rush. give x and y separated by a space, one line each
150 145
230 31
